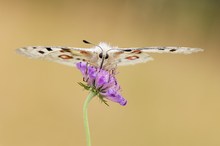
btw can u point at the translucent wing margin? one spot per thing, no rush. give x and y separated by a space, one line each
174 50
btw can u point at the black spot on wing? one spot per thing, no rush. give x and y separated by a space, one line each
127 50
161 49
49 49
172 50
41 52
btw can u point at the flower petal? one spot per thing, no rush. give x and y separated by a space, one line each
102 81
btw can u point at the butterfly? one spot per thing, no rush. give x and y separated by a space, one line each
102 55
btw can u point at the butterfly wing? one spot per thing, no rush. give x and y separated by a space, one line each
64 55
127 56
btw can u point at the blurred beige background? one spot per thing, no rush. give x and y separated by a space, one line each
172 101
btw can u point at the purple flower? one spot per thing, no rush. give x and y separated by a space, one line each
101 81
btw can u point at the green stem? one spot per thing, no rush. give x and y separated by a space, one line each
85 117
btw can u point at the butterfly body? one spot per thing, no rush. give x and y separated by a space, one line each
102 55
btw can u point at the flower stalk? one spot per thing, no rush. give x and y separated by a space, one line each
101 83
85 117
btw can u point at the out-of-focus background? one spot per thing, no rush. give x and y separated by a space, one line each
172 101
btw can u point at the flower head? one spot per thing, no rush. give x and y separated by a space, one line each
101 81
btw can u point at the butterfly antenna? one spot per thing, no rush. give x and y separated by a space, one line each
87 42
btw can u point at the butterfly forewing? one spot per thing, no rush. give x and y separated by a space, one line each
64 55
127 56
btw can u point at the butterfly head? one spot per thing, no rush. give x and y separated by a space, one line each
103 49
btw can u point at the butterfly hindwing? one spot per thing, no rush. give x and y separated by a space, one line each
129 56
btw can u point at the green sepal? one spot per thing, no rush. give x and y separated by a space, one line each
86 87
103 100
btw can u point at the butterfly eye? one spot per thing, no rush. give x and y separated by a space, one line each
100 55
106 57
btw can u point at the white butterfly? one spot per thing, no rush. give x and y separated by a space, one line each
102 55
